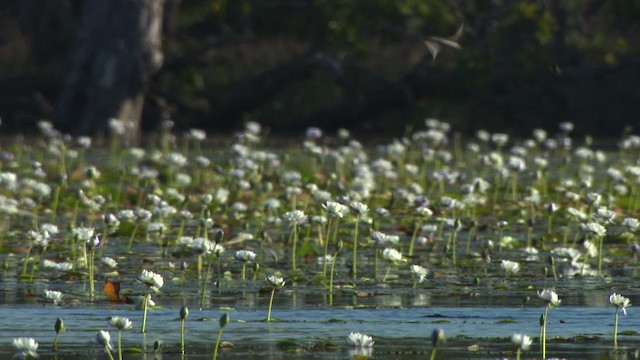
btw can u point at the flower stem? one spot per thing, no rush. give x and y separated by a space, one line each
120 344
326 248
355 249
55 342
333 266
92 256
106 349
204 283
615 330
600 238
145 307
133 235
273 291
418 225
182 335
387 274
544 333
433 353
295 242
215 350
518 354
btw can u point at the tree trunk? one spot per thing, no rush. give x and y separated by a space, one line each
117 48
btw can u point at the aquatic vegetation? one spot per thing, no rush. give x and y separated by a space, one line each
120 323
58 327
274 282
551 300
620 302
224 320
151 281
184 313
547 210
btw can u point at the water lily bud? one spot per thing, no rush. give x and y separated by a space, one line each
541 319
219 235
184 312
339 245
438 337
156 345
183 266
224 320
256 267
59 325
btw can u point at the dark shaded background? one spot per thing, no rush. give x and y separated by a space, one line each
366 65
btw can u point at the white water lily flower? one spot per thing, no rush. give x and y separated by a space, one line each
63 266
27 347
631 224
594 228
83 233
109 262
361 340
523 342
55 296
121 323
510 267
276 281
420 272
245 255
391 255
550 297
620 302
359 208
295 217
151 279
335 209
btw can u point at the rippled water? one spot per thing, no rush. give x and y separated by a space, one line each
478 324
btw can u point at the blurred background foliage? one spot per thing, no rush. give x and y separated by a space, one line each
369 65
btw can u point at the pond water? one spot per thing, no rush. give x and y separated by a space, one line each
478 332
478 324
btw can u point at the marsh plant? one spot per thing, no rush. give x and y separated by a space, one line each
334 259
224 320
58 327
245 257
551 300
621 303
92 245
295 218
336 212
184 313
121 324
275 282
360 210
152 282
393 258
